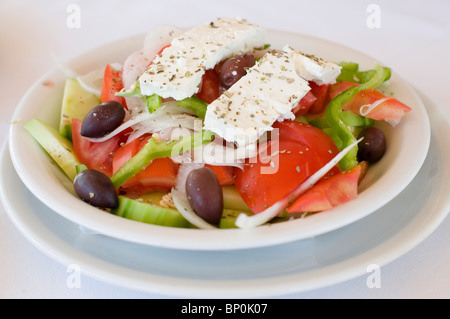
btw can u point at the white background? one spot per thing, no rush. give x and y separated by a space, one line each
413 38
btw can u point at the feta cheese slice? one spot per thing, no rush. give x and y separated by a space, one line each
268 92
313 68
177 72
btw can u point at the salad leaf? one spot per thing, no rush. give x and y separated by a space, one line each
158 149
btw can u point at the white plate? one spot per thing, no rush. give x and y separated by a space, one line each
285 269
408 146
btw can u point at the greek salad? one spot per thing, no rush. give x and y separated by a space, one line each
214 128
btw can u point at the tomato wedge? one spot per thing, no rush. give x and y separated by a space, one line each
98 156
371 103
340 87
160 175
329 193
224 174
377 106
310 136
321 94
263 183
112 83
305 104
210 87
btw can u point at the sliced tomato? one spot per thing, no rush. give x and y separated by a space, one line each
270 178
112 83
321 94
159 52
305 104
386 108
121 156
224 174
98 156
210 87
310 136
329 193
160 175
339 87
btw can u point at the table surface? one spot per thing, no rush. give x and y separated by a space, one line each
413 39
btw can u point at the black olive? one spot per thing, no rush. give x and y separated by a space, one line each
103 119
235 68
373 146
96 189
205 194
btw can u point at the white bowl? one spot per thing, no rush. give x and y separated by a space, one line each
408 145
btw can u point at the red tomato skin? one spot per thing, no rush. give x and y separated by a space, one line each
302 150
210 87
305 104
224 174
160 175
311 136
98 156
391 108
112 83
340 87
261 184
321 94
121 156
329 193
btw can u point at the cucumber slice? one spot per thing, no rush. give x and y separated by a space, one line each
232 200
77 102
57 146
148 213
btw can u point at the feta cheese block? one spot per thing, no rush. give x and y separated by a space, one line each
177 72
313 68
268 92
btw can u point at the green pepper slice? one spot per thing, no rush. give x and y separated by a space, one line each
333 114
158 149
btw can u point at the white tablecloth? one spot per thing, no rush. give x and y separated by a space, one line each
412 37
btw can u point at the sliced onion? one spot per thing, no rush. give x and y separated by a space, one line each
92 81
154 41
247 222
168 115
215 153
365 109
